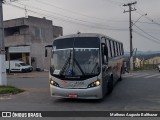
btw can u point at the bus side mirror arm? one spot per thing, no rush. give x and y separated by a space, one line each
46 51
104 52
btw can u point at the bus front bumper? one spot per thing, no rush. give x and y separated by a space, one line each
88 93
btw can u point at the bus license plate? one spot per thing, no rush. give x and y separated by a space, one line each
73 95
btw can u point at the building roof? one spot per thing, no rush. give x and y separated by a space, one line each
22 21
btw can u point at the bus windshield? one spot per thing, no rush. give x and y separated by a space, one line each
75 57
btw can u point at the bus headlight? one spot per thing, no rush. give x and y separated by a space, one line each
94 84
52 82
97 83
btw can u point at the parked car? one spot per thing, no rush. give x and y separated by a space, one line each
18 66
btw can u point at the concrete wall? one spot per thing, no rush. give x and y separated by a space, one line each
36 32
41 30
155 60
15 23
15 40
57 31
41 33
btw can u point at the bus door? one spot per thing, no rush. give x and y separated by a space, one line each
105 68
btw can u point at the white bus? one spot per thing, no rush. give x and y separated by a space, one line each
85 65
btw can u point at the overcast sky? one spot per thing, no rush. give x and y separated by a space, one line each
98 16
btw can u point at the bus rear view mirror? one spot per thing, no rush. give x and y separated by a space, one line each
104 54
104 49
46 52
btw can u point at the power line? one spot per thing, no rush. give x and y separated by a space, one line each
61 15
80 20
146 37
148 18
70 11
145 22
78 13
64 20
147 33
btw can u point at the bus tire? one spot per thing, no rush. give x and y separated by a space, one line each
110 86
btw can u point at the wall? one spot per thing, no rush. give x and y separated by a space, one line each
41 33
57 31
35 32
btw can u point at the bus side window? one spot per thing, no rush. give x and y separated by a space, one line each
104 54
118 53
119 49
115 53
115 48
112 48
122 49
109 50
120 46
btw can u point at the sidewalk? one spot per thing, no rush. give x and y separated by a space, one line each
33 74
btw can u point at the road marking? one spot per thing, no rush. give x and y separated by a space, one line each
158 77
131 74
151 76
127 75
140 75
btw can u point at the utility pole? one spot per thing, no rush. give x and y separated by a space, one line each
130 29
26 12
3 79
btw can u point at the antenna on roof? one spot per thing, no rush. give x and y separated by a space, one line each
78 32
26 12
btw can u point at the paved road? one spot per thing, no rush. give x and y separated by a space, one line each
138 91
143 74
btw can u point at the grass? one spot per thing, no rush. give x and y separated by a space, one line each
10 90
141 69
151 67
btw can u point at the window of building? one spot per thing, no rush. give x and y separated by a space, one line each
11 31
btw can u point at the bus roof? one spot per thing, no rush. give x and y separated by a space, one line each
86 35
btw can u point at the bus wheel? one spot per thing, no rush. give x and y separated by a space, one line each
110 86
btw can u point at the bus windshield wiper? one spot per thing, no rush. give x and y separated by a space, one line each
95 66
78 66
65 64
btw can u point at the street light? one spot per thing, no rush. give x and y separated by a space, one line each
139 19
